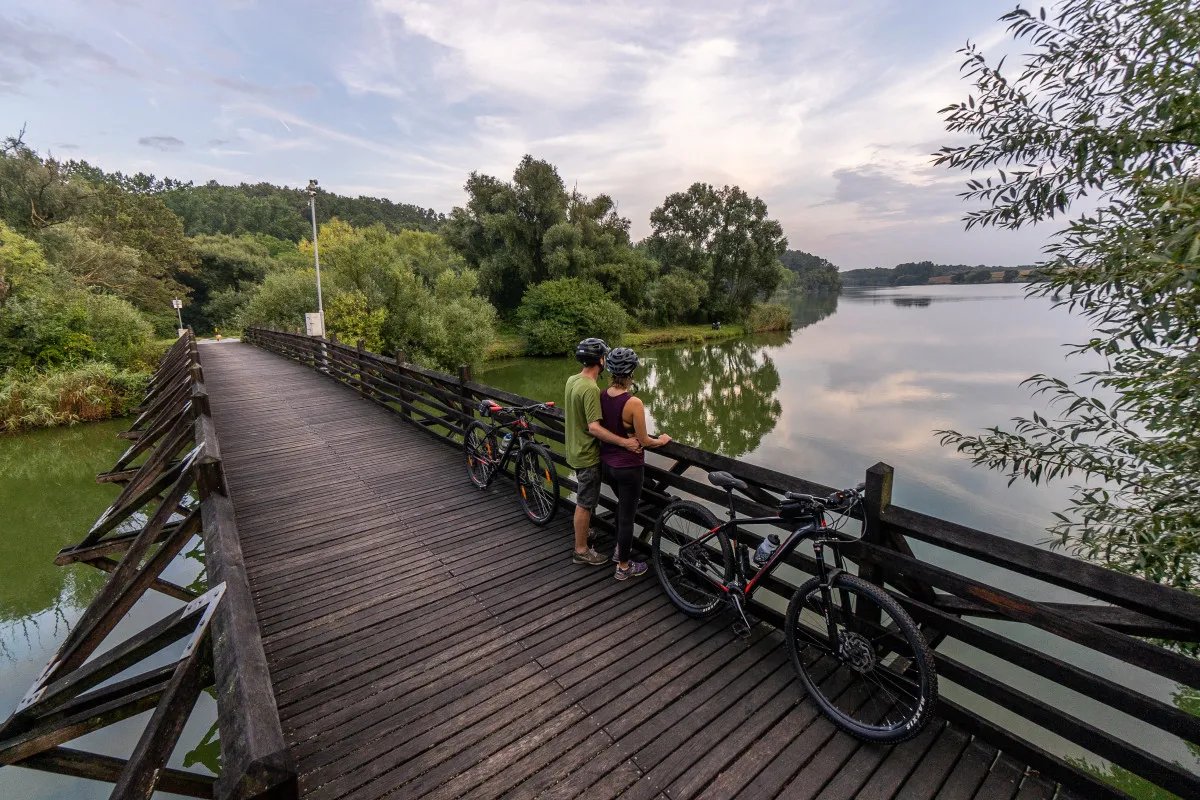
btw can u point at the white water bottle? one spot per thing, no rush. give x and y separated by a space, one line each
506 442
763 554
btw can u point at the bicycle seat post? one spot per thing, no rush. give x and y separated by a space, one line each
732 513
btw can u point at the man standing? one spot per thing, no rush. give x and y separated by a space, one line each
584 434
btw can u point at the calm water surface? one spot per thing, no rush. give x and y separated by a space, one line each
868 376
48 500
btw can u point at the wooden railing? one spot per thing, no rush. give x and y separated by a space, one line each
1115 617
173 488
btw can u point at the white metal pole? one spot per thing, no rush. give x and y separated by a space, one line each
179 313
312 206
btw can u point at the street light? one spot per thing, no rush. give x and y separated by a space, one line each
312 207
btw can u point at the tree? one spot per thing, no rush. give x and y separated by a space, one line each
722 236
914 274
35 192
814 275
1106 106
502 227
556 315
532 229
1011 275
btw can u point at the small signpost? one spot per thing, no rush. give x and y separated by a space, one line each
314 324
177 304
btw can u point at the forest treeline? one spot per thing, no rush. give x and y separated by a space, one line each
90 261
919 273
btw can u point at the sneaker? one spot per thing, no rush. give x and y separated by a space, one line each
589 557
636 569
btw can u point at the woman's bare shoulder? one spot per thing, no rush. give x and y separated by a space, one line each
635 403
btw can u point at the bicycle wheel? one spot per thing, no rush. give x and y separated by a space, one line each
688 567
482 450
882 686
537 483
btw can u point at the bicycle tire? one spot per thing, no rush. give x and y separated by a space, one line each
537 483
887 706
482 451
680 522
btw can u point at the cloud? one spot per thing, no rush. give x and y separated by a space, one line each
167 144
30 53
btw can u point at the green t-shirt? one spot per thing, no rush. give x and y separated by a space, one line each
582 408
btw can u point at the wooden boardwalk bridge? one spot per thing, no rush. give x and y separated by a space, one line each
388 630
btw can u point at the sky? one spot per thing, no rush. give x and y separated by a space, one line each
825 110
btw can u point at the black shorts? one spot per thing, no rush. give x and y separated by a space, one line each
587 496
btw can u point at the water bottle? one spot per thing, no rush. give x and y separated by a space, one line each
763 554
506 442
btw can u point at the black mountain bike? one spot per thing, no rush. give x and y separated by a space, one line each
859 654
489 447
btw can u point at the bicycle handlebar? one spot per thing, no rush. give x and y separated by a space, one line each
497 408
843 498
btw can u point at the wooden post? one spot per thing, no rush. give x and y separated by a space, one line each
401 360
464 377
363 389
877 497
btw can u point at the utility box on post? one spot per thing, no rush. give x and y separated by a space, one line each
314 325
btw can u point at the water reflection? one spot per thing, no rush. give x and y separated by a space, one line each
911 301
719 397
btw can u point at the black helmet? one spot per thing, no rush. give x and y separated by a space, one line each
590 351
621 362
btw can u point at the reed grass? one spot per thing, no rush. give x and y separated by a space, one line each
69 395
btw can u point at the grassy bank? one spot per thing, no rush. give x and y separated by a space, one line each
511 345
86 393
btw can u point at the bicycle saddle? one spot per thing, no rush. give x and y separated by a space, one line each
726 481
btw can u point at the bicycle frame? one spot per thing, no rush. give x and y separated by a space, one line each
521 433
743 586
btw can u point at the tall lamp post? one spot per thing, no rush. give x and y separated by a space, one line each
312 207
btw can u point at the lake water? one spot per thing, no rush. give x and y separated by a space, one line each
48 500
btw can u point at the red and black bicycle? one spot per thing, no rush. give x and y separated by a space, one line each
489 448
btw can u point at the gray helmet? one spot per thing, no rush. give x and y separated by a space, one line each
590 351
621 362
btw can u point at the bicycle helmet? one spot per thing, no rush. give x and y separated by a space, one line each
621 362
590 351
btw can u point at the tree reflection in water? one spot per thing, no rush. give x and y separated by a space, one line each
719 397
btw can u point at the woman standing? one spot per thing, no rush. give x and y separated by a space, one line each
625 415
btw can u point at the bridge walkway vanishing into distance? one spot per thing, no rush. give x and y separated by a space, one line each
425 639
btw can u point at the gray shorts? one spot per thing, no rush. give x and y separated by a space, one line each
587 496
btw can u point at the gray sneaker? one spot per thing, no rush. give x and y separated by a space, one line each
636 569
589 557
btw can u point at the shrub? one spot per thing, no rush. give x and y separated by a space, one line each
555 315
91 392
458 326
768 317
282 300
348 318
120 333
676 296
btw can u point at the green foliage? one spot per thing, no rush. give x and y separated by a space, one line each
978 276
768 317
283 212
916 274
347 317
675 297
458 326
228 266
42 398
36 192
1116 121
811 274
556 315
723 237
1011 275
22 262
531 230
281 301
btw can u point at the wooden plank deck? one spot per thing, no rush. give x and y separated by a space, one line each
424 640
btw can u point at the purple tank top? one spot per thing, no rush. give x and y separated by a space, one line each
610 410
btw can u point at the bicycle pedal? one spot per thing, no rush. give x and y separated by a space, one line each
741 631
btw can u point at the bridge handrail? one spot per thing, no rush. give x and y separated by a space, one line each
173 487
1119 608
